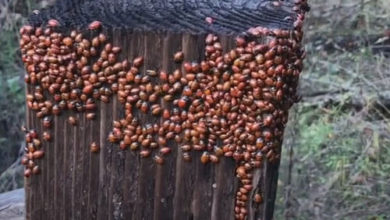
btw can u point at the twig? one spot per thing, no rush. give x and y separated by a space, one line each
4 208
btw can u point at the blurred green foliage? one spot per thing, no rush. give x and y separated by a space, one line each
11 99
12 107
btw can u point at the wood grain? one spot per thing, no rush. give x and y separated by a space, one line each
27 181
130 183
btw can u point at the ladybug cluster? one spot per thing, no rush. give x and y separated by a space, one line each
33 152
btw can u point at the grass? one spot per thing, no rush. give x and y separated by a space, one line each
340 132
341 166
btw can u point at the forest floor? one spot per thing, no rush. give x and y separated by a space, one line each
336 158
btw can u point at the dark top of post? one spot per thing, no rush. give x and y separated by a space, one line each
228 17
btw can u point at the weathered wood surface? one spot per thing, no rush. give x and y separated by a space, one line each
116 184
231 16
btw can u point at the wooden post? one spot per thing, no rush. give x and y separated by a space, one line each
75 183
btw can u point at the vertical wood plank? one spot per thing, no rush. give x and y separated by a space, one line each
27 181
119 113
256 210
63 172
85 149
165 175
93 135
54 184
58 166
130 183
225 180
145 203
151 49
104 164
270 187
185 172
203 192
34 179
105 181
50 172
117 176
137 49
78 164
69 167
226 185
44 173
111 151
204 173
118 156
39 190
